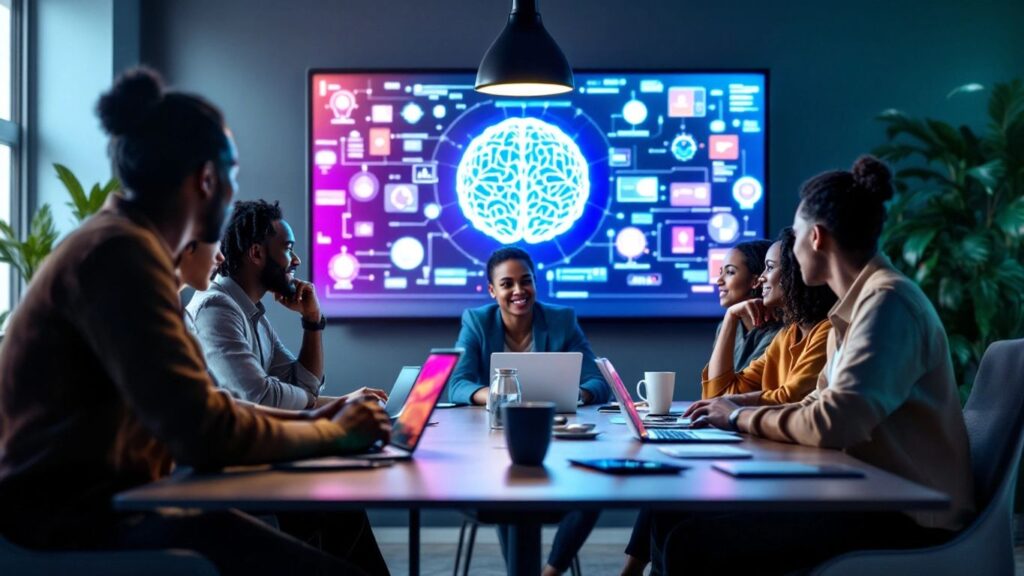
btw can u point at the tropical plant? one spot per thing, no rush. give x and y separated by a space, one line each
956 222
25 256
84 204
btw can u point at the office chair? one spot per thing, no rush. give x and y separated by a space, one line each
17 560
994 415
471 525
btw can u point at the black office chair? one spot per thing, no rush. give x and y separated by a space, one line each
471 526
995 426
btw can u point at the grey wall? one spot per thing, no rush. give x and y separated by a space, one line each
834 66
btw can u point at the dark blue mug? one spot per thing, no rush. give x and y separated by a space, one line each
528 431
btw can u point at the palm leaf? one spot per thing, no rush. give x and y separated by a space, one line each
79 203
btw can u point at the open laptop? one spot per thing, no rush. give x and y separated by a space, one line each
545 376
400 390
636 423
407 430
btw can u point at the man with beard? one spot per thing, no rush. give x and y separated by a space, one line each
244 353
102 389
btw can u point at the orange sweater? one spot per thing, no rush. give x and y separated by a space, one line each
786 372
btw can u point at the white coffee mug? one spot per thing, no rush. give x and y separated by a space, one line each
659 388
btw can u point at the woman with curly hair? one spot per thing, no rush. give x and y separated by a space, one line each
789 368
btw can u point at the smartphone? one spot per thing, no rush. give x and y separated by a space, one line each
612 408
629 466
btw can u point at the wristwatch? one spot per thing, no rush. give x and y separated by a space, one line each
734 419
314 326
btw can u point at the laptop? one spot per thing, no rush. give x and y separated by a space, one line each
407 429
662 435
400 390
545 376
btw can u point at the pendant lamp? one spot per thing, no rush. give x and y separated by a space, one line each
524 59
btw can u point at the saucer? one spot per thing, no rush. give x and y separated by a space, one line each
573 428
589 435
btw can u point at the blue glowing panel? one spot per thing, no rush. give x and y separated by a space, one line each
628 192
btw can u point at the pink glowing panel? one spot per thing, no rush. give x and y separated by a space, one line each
683 240
690 194
716 259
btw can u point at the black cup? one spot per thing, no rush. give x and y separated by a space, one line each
528 431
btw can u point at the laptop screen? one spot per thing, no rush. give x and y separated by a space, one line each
622 395
420 405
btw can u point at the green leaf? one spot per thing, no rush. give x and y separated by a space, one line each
951 294
973 250
965 89
1010 219
915 245
988 174
924 174
948 138
986 304
79 203
924 269
1006 105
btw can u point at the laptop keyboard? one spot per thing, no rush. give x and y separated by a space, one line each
670 434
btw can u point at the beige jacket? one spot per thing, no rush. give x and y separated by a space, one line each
891 400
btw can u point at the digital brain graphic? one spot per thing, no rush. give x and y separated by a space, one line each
522 179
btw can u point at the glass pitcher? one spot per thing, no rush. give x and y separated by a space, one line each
504 390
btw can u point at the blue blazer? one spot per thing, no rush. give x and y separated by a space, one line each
554 330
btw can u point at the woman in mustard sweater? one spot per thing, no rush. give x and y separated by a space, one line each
789 368
786 372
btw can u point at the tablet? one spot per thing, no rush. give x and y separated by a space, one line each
779 469
628 466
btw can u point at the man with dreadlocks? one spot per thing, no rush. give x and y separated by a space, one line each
242 349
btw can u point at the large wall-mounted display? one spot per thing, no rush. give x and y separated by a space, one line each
627 192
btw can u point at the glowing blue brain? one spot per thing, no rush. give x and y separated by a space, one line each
522 179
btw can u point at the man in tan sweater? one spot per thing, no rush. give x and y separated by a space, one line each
101 387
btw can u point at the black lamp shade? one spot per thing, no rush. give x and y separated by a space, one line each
524 59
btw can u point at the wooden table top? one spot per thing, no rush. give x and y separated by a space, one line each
461 464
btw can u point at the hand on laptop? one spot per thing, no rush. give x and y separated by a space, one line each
365 423
332 406
714 412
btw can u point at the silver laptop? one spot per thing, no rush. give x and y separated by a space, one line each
636 423
400 390
545 376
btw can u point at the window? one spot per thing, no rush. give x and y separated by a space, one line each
9 129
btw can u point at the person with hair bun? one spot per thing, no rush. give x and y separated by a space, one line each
102 389
887 396
786 371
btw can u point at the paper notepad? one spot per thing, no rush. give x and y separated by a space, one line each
711 451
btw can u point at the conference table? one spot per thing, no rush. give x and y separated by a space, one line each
461 464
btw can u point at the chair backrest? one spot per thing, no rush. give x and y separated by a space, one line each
994 416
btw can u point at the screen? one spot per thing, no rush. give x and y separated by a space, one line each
420 404
627 192
622 395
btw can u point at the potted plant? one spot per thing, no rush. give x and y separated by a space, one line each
24 255
956 222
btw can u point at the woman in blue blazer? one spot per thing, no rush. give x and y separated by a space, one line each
518 323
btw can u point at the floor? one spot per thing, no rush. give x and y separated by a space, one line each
601 556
